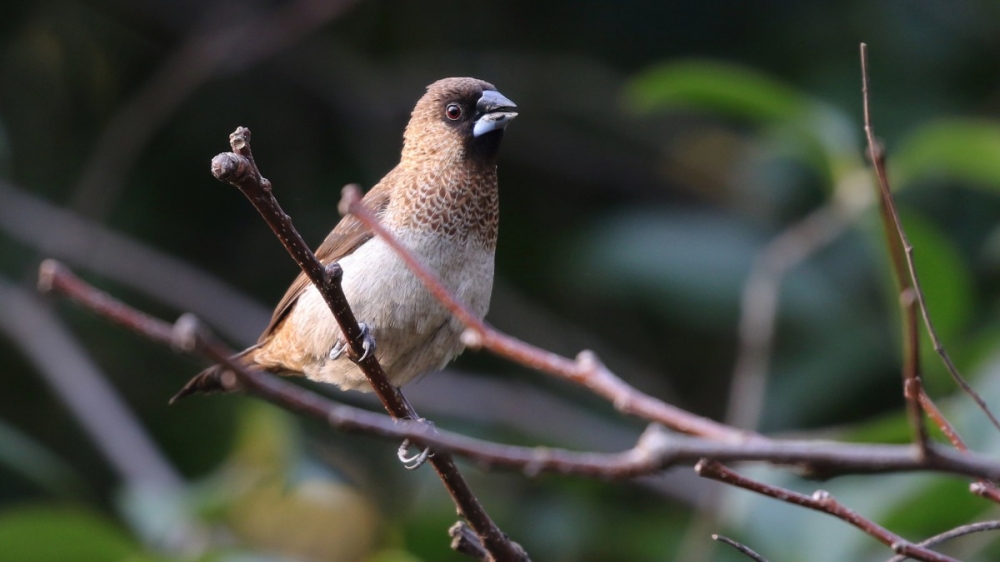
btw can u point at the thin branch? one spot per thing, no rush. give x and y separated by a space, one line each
74 378
239 169
954 533
742 548
902 251
55 232
824 502
586 370
759 307
980 488
656 450
103 415
896 240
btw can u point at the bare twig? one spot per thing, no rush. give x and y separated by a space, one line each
896 240
74 378
901 252
742 548
586 370
759 306
58 233
824 502
981 488
953 533
239 169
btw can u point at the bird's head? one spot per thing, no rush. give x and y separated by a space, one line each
458 117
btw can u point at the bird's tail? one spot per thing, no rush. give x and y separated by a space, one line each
216 378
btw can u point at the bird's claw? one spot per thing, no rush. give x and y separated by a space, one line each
367 345
367 342
413 462
338 349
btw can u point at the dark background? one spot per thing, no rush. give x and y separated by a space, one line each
659 147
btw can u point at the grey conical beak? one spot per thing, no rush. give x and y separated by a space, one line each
493 112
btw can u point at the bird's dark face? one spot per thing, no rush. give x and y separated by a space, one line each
459 114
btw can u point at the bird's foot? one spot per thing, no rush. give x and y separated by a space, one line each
367 342
415 461
367 345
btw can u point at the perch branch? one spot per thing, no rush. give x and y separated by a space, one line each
656 450
759 307
239 169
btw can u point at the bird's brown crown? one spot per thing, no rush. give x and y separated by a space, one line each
442 122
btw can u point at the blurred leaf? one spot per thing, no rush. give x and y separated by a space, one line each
967 150
35 463
270 496
953 506
267 437
815 132
718 87
319 520
50 534
687 264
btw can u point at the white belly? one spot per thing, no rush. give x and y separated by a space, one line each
414 334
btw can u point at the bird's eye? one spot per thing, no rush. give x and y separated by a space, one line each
453 111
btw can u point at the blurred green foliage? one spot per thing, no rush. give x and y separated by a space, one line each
660 147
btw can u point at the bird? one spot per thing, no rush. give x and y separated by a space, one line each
441 202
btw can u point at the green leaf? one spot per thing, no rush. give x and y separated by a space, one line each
953 506
60 534
967 150
684 264
717 87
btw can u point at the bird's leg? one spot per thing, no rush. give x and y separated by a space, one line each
412 462
415 461
367 344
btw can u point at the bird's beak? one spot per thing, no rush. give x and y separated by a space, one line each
493 112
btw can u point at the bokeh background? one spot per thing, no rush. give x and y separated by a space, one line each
660 149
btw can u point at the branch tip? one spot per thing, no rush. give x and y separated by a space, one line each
742 548
821 495
48 271
471 338
588 360
334 273
465 541
186 333
226 166
240 139
654 437
349 195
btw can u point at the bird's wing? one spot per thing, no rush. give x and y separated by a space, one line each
346 237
